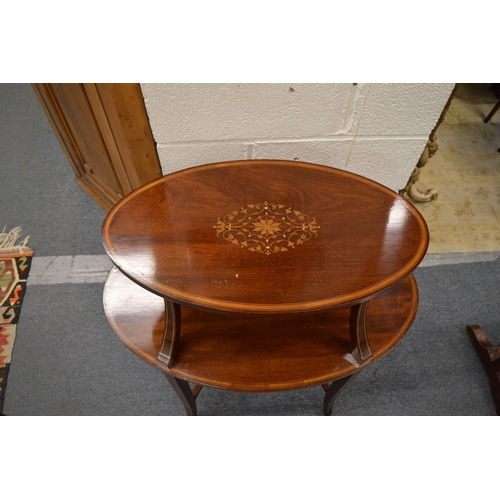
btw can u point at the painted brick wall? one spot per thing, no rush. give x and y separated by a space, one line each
376 130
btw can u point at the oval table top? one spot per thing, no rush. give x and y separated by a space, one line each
265 236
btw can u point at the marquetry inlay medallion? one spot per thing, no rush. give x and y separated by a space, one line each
267 228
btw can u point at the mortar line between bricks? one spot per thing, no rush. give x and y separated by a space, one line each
329 138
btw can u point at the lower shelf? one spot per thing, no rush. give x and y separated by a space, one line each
254 352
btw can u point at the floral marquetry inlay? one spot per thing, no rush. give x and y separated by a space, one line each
267 228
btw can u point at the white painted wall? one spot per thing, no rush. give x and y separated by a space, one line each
376 130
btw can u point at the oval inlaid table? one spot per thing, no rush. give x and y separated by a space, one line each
262 275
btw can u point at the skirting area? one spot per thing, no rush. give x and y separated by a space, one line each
72 269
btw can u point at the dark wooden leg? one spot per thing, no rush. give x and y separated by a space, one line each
490 357
333 390
184 393
492 112
359 339
172 332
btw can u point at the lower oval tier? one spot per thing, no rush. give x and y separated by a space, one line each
256 353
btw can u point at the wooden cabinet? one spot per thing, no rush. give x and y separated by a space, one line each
104 130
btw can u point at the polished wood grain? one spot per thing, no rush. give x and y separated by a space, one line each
256 353
360 346
171 336
172 237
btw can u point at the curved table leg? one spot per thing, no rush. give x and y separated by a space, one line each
172 333
360 346
490 357
333 390
184 393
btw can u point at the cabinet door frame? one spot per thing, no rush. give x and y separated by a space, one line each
119 114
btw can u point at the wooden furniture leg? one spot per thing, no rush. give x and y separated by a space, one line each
172 332
492 112
184 393
360 347
490 357
333 390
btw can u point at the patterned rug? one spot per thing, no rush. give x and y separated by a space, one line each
466 173
15 262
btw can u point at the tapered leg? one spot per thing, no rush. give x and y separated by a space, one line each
333 390
490 357
184 393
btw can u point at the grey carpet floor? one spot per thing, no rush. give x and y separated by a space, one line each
37 190
67 360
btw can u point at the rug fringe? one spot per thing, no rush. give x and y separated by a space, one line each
8 240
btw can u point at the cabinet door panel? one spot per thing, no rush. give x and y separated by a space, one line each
109 155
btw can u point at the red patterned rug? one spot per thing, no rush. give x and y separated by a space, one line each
15 262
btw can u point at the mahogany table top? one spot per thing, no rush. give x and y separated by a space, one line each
265 236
